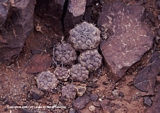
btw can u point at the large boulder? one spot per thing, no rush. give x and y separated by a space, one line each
17 25
127 38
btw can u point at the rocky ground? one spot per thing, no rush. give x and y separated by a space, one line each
114 71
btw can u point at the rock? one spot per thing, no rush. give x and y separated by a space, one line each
105 107
80 102
38 63
77 7
36 94
155 108
71 110
92 108
133 38
146 78
4 8
94 97
121 94
17 27
81 89
147 101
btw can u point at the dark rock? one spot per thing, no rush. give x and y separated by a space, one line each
146 78
36 94
92 85
77 7
147 101
105 106
97 104
15 30
93 97
4 8
155 108
121 94
158 4
131 43
158 32
80 102
38 63
51 11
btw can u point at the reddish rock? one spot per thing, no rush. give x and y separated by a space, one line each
155 108
18 25
38 63
128 37
146 78
80 102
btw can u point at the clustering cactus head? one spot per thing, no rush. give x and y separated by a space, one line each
69 91
46 80
61 73
79 73
64 53
90 59
85 36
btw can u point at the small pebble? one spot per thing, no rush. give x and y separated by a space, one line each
92 108
147 101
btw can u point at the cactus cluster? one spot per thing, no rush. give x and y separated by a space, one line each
64 53
90 59
61 73
84 36
79 73
46 80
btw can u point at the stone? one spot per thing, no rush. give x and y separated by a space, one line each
81 89
147 101
17 27
155 108
94 97
81 102
129 38
77 7
36 94
4 6
105 107
38 63
146 78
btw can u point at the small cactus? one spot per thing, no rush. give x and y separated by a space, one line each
90 59
64 53
69 91
85 36
61 73
46 80
79 73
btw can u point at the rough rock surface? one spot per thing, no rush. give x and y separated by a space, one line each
129 37
155 108
4 6
146 78
80 102
39 63
17 27
77 7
